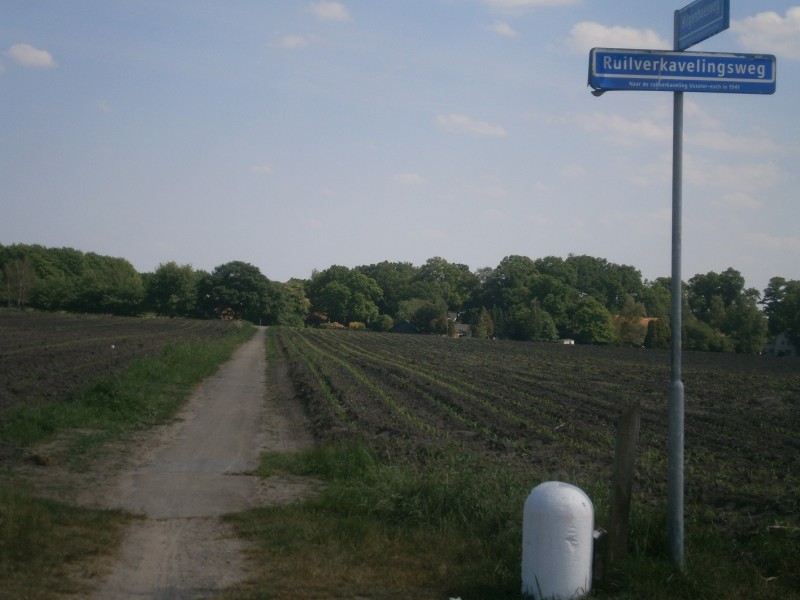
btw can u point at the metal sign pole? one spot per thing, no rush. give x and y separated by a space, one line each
675 401
654 70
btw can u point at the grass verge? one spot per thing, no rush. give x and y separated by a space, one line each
448 524
41 541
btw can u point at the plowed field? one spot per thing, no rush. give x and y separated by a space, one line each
552 410
47 357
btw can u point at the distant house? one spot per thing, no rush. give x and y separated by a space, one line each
780 346
459 329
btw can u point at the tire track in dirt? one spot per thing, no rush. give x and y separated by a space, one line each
190 473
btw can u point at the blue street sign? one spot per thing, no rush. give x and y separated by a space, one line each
700 20
668 71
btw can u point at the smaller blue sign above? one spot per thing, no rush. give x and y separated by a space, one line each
669 71
700 20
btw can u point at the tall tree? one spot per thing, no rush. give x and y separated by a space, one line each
172 290
746 325
532 322
395 279
591 322
292 305
656 296
720 301
345 295
658 334
607 282
558 268
427 316
629 323
728 285
19 279
451 282
782 306
238 286
109 285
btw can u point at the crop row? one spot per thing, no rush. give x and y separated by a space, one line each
553 409
445 390
45 357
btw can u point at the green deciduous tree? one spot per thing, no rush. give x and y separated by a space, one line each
532 322
395 279
746 325
591 322
439 279
109 285
171 290
18 282
484 328
656 297
427 316
698 335
345 295
607 282
629 323
721 302
290 304
238 286
782 306
658 334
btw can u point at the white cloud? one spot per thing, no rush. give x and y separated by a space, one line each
265 168
706 130
625 131
654 223
291 42
434 234
33 58
737 199
330 11
103 106
739 183
658 172
456 123
787 244
494 214
587 35
488 190
770 33
503 29
408 179
571 171
537 220
522 4
723 141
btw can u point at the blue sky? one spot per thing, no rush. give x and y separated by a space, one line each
298 135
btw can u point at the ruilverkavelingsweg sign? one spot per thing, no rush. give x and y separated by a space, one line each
672 71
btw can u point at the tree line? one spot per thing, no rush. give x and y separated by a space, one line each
585 298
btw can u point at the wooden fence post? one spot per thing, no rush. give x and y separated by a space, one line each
621 486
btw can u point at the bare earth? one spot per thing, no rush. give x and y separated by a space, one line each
182 477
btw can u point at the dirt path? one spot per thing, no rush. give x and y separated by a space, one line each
187 474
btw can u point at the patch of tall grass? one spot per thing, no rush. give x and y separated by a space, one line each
42 542
448 523
424 528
